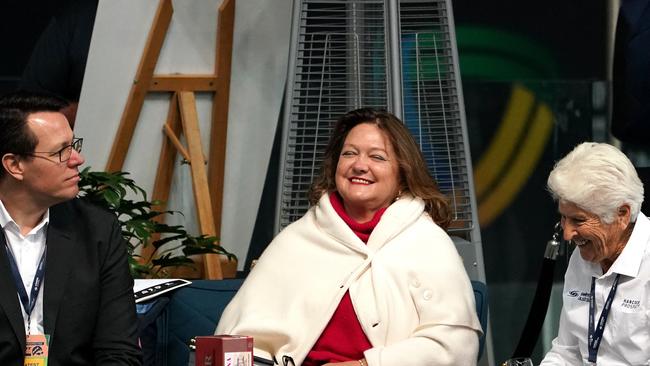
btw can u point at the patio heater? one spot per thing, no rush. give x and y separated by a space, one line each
398 55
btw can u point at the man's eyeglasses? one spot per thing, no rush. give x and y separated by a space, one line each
65 152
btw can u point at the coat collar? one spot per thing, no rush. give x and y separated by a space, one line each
397 217
629 262
60 250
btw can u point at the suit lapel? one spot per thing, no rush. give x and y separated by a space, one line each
9 299
60 251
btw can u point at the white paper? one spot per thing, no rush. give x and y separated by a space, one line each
148 289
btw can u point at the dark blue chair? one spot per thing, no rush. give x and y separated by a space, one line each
481 297
193 310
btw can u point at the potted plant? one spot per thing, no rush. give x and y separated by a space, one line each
142 226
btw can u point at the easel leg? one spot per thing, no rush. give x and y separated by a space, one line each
190 122
219 130
140 86
165 170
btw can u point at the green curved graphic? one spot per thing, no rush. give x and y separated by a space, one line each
526 124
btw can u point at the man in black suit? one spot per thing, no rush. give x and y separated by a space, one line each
63 262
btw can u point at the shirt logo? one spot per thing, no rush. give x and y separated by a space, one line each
580 296
631 304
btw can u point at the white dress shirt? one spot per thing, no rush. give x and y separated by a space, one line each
626 337
27 251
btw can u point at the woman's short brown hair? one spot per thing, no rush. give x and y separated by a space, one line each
414 175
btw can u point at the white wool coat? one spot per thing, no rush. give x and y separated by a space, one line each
408 287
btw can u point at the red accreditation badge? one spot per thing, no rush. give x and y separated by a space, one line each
36 351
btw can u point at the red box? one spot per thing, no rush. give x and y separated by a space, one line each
224 350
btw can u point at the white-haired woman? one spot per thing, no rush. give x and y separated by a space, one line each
605 317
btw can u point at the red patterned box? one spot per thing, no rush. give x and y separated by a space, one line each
224 350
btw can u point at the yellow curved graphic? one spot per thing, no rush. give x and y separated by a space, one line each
524 160
505 140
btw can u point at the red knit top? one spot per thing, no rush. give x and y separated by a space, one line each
343 338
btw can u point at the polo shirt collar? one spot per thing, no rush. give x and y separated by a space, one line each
629 262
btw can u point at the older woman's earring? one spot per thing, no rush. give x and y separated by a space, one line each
399 195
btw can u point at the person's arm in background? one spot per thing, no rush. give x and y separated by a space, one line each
631 75
116 332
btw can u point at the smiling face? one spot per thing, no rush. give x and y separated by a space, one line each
367 173
48 180
598 242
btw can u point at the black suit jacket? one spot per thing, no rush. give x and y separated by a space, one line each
88 303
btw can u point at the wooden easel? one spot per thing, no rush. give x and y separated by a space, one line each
182 117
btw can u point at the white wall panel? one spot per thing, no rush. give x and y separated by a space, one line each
261 42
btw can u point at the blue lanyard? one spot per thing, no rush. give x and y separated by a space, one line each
28 302
596 335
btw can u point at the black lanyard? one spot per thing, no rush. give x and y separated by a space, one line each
28 302
596 335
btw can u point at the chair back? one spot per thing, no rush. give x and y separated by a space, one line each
193 310
481 298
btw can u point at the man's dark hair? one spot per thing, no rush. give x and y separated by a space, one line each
15 135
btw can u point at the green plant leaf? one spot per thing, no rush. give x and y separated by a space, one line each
140 223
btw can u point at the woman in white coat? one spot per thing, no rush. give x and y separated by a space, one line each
368 276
